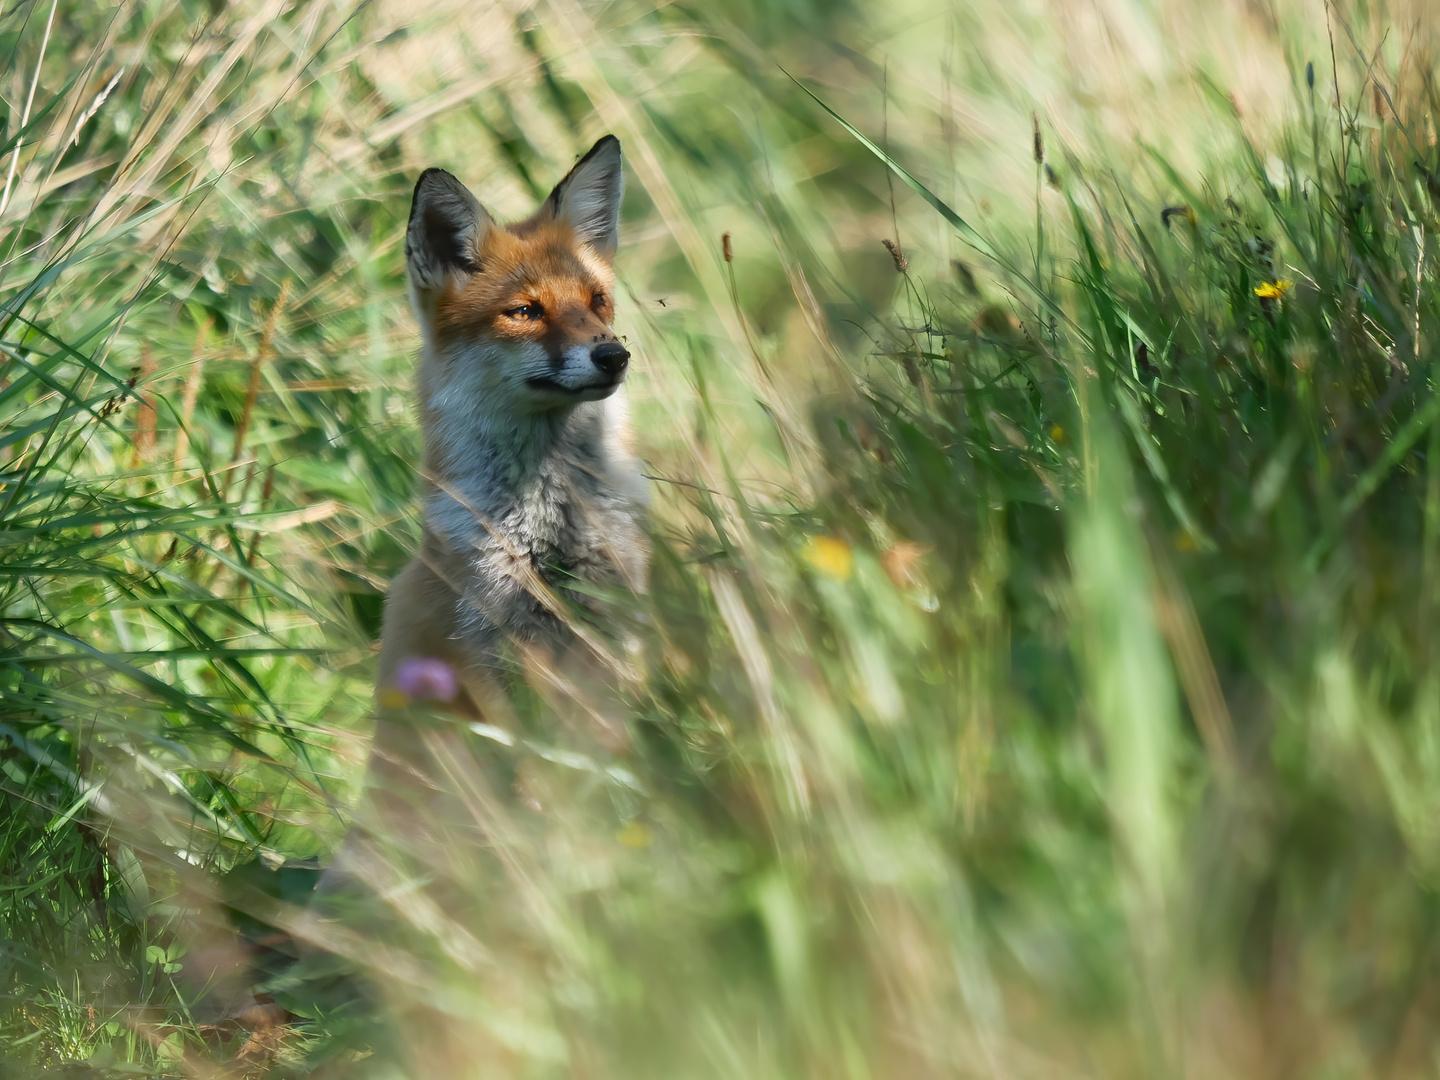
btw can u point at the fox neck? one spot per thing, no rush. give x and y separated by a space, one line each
512 478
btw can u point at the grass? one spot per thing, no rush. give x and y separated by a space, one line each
1038 672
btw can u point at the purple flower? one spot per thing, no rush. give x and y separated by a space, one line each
425 678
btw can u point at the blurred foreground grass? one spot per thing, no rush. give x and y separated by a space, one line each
1039 673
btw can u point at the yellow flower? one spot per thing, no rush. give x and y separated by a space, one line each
1273 290
1057 434
635 834
830 555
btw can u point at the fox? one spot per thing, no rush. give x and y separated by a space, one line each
533 504
530 487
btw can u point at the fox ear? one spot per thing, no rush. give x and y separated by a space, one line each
447 226
588 199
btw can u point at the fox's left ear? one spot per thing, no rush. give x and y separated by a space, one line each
588 199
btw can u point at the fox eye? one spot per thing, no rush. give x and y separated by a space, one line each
599 300
526 312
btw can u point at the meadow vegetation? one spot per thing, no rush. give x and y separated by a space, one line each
1039 674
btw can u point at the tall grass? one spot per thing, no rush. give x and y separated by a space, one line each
1036 676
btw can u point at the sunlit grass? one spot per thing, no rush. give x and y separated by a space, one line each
1036 676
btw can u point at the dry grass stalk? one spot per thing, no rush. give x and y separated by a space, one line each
191 392
257 367
145 416
902 264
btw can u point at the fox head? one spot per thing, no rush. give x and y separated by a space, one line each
517 318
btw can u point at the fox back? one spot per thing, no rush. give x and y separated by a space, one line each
530 489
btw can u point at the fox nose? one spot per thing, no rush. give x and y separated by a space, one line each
611 358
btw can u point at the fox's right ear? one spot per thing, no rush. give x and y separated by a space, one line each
446 231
